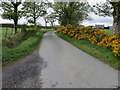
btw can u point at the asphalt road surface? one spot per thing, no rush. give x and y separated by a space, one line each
58 64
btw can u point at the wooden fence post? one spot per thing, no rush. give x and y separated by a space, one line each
12 31
6 32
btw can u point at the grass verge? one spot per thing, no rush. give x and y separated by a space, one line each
25 48
108 31
104 54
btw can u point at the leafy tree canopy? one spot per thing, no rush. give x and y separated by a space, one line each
71 12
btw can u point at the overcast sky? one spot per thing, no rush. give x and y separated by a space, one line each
107 21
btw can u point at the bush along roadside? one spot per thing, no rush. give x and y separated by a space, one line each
26 47
103 46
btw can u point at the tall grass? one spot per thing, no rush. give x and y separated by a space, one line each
26 47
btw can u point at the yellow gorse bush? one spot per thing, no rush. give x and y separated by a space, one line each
95 36
33 27
111 42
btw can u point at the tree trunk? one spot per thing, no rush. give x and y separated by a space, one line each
116 17
46 25
34 14
15 25
34 21
116 26
15 17
52 24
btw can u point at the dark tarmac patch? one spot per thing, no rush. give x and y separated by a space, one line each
30 71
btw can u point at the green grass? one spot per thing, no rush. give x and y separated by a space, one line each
25 48
12 41
3 31
108 31
101 53
43 29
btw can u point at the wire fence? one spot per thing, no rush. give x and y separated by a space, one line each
8 31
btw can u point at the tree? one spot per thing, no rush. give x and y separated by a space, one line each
46 19
52 18
71 12
110 8
11 12
34 10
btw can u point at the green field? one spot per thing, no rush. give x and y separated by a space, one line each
9 32
108 31
3 31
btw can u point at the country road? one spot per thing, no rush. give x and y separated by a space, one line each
58 64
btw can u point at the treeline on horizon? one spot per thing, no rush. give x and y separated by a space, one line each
19 26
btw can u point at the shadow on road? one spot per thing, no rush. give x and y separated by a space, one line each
24 74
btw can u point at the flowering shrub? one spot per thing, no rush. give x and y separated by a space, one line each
95 36
111 42
32 27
